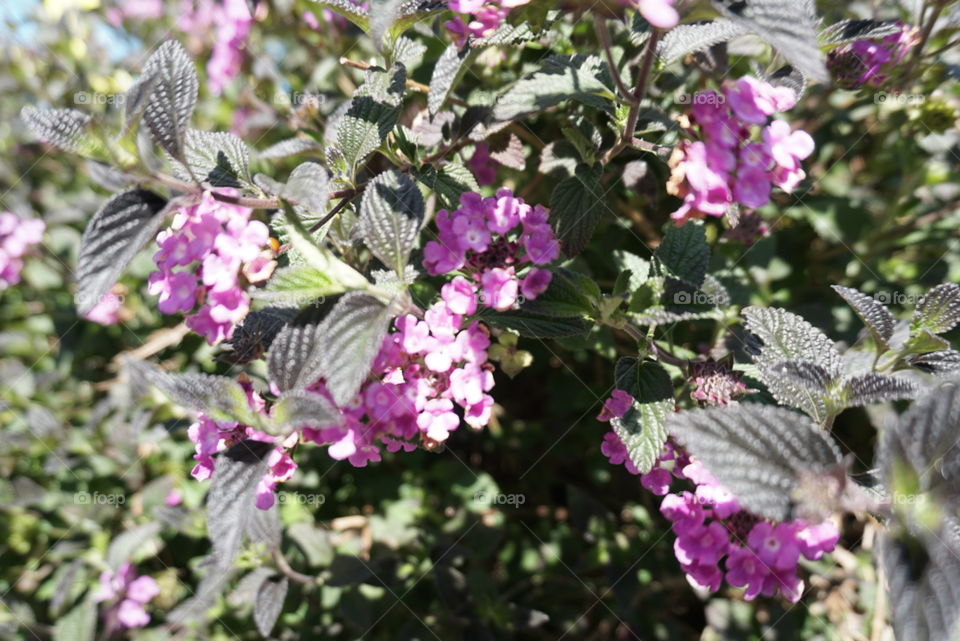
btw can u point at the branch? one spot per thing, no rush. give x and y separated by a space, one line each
604 36
638 95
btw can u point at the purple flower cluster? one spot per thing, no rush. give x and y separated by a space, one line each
17 237
230 23
202 256
425 370
491 240
715 384
483 17
128 594
729 163
761 556
210 437
871 62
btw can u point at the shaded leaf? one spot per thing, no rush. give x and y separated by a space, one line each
535 325
684 253
219 158
875 388
576 205
561 78
757 452
112 238
643 428
303 409
940 362
447 72
269 602
687 38
372 114
449 183
851 30
66 129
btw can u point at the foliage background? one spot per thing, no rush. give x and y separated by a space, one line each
586 555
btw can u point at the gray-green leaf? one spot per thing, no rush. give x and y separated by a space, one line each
168 110
391 214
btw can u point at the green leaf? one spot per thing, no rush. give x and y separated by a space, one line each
536 325
449 183
634 271
939 310
643 428
561 78
372 114
391 214
684 253
308 189
576 205
219 397
569 295
298 286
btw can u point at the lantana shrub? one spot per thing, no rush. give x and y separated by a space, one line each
366 286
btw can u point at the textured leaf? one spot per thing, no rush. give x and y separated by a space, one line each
580 77
757 452
923 575
137 97
231 509
684 253
79 624
576 205
449 183
66 129
383 13
219 158
786 25
391 214
535 325
447 72
351 336
643 428
636 268
786 76
851 30
254 335
307 188
372 114
269 602
920 551
303 409
939 309
875 388
688 38
804 373
219 397
940 362
510 153
293 360
874 314
168 110
112 238
290 147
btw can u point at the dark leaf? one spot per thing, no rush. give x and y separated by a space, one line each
684 253
391 214
576 205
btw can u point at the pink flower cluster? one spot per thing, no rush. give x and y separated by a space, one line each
202 255
129 593
425 371
484 16
17 237
229 21
715 384
211 437
761 555
729 163
491 240
871 62
483 166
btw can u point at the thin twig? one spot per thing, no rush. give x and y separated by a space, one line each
333 212
638 95
604 36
